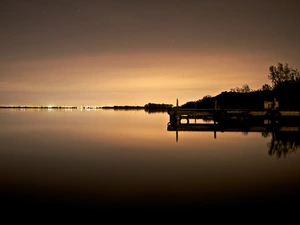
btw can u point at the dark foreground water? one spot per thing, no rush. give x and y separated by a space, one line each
127 160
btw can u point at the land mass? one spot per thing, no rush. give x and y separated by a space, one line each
285 90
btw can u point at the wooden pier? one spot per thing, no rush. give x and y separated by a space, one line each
273 115
233 120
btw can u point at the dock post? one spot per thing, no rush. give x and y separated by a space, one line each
177 117
215 132
177 120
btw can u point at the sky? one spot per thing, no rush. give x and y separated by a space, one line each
132 52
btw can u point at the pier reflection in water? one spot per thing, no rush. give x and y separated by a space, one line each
285 134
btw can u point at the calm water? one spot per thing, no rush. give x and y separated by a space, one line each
127 159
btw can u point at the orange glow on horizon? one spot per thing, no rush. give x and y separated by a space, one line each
134 77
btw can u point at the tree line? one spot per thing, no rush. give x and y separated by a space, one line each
285 88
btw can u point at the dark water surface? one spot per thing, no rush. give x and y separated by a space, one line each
109 160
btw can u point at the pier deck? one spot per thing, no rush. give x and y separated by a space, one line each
177 114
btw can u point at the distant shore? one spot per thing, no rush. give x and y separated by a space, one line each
72 107
148 107
51 107
123 107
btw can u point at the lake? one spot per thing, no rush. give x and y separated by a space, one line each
110 160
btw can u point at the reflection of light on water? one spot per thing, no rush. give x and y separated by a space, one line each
108 150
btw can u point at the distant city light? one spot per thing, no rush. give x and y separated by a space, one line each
51 107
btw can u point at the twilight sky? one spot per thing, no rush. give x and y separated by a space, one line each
131 52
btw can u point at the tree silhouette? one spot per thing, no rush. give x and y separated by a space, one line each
283 73
244 89
283 143
266 87
285 88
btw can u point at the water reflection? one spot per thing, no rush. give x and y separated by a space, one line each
282 143
284 136
108 160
